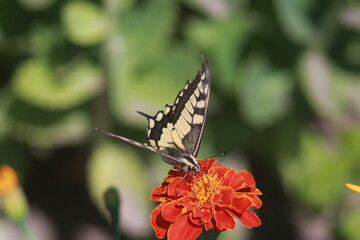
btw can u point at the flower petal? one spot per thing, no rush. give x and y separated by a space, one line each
159 224
241 204
211 225
186 202
174 187
248 178
220 170
353 187
227 195
203 214
195 220
157 194
183 229
223 219
171 211
236 180
250 219
208 163
255 201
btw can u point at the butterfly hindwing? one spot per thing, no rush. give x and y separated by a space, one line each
180 126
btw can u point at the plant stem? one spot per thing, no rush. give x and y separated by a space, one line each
209 235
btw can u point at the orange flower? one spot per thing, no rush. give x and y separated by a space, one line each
8 179
13 201
353 187
209 201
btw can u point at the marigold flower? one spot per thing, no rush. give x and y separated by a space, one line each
13 201
353 187
8 179
211 201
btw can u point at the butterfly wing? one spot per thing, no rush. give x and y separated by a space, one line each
179 128
167 157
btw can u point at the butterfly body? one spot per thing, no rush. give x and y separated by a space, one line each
175 133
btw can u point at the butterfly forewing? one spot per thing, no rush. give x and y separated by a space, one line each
180 126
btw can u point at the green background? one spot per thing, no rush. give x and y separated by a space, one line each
285 105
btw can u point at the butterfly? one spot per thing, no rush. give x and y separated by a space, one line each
176 132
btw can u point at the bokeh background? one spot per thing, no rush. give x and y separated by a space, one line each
285 105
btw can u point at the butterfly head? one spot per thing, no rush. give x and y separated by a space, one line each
189 164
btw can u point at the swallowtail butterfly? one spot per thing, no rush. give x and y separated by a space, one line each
175 133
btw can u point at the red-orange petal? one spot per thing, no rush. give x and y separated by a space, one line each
208 164
255 201
220 170
236 180
223 219
216 197
250 219
203 214
210 225
186 203
159 224
240 204
226 181
227 195
248 178
195 220
157 194
183 229
171 211
175 187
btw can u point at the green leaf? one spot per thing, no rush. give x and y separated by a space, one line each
116 165
148 29
294 20
264 93
85 23
316 173
225 51
43 40
35 82
141 80
40 128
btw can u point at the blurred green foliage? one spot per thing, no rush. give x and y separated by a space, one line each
285 104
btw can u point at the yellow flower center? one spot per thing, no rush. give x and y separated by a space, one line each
8 179
205 186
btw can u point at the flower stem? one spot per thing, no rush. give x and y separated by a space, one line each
209 235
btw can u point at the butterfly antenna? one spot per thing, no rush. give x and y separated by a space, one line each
218 155
104 132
